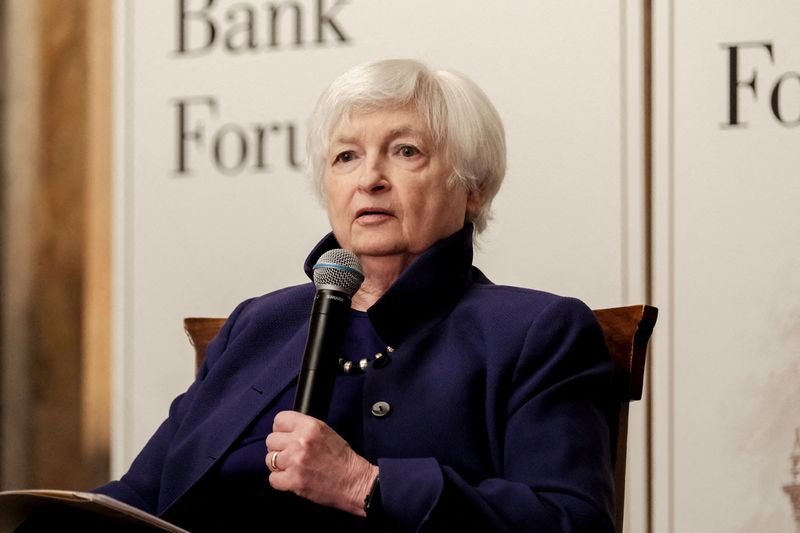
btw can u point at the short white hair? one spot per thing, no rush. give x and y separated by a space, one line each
459 116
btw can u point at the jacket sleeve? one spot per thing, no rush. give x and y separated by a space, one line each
140 486
556 473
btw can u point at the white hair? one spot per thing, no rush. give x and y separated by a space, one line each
459 116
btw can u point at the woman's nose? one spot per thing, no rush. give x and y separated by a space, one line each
373 178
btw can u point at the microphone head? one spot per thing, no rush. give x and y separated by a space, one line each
339 270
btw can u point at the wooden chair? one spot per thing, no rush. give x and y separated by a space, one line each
201 331
627 331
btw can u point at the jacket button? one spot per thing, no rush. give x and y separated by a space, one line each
381 409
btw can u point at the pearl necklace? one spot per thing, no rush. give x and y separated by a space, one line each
351 368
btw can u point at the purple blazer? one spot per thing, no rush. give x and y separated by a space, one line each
500 402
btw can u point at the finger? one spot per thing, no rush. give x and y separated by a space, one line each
285 421
280 481
272 461
277 441
292 421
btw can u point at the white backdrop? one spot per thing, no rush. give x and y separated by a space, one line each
727 352
565 77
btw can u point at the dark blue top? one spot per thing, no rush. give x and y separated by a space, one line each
239 481
499 400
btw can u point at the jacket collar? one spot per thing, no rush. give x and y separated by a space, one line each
426 291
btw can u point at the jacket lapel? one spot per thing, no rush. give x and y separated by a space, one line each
197 450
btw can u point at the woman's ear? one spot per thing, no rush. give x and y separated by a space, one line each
474 203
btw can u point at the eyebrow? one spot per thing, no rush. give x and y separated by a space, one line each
393 134
405 130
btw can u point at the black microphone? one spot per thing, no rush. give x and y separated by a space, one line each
337 276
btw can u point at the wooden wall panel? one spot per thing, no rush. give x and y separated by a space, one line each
19 171
62 440
96 376
59 218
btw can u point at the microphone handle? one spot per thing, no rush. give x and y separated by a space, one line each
320 359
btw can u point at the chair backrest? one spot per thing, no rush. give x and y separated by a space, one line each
201 331
627 331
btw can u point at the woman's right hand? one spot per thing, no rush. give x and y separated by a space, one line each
307 457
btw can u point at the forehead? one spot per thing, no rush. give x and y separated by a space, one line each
383 122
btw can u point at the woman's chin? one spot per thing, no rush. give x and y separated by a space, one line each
377 243
377 250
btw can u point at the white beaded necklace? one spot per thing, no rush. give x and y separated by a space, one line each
351 368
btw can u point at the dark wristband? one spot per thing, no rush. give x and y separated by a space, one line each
373 506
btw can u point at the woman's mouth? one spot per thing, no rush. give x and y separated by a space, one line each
372 215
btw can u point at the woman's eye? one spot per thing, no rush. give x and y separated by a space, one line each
344 157
406 150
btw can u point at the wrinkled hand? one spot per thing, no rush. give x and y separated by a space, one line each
316 463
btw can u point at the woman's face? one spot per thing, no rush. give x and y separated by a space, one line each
386 185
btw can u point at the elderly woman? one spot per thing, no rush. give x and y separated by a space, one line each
492 411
